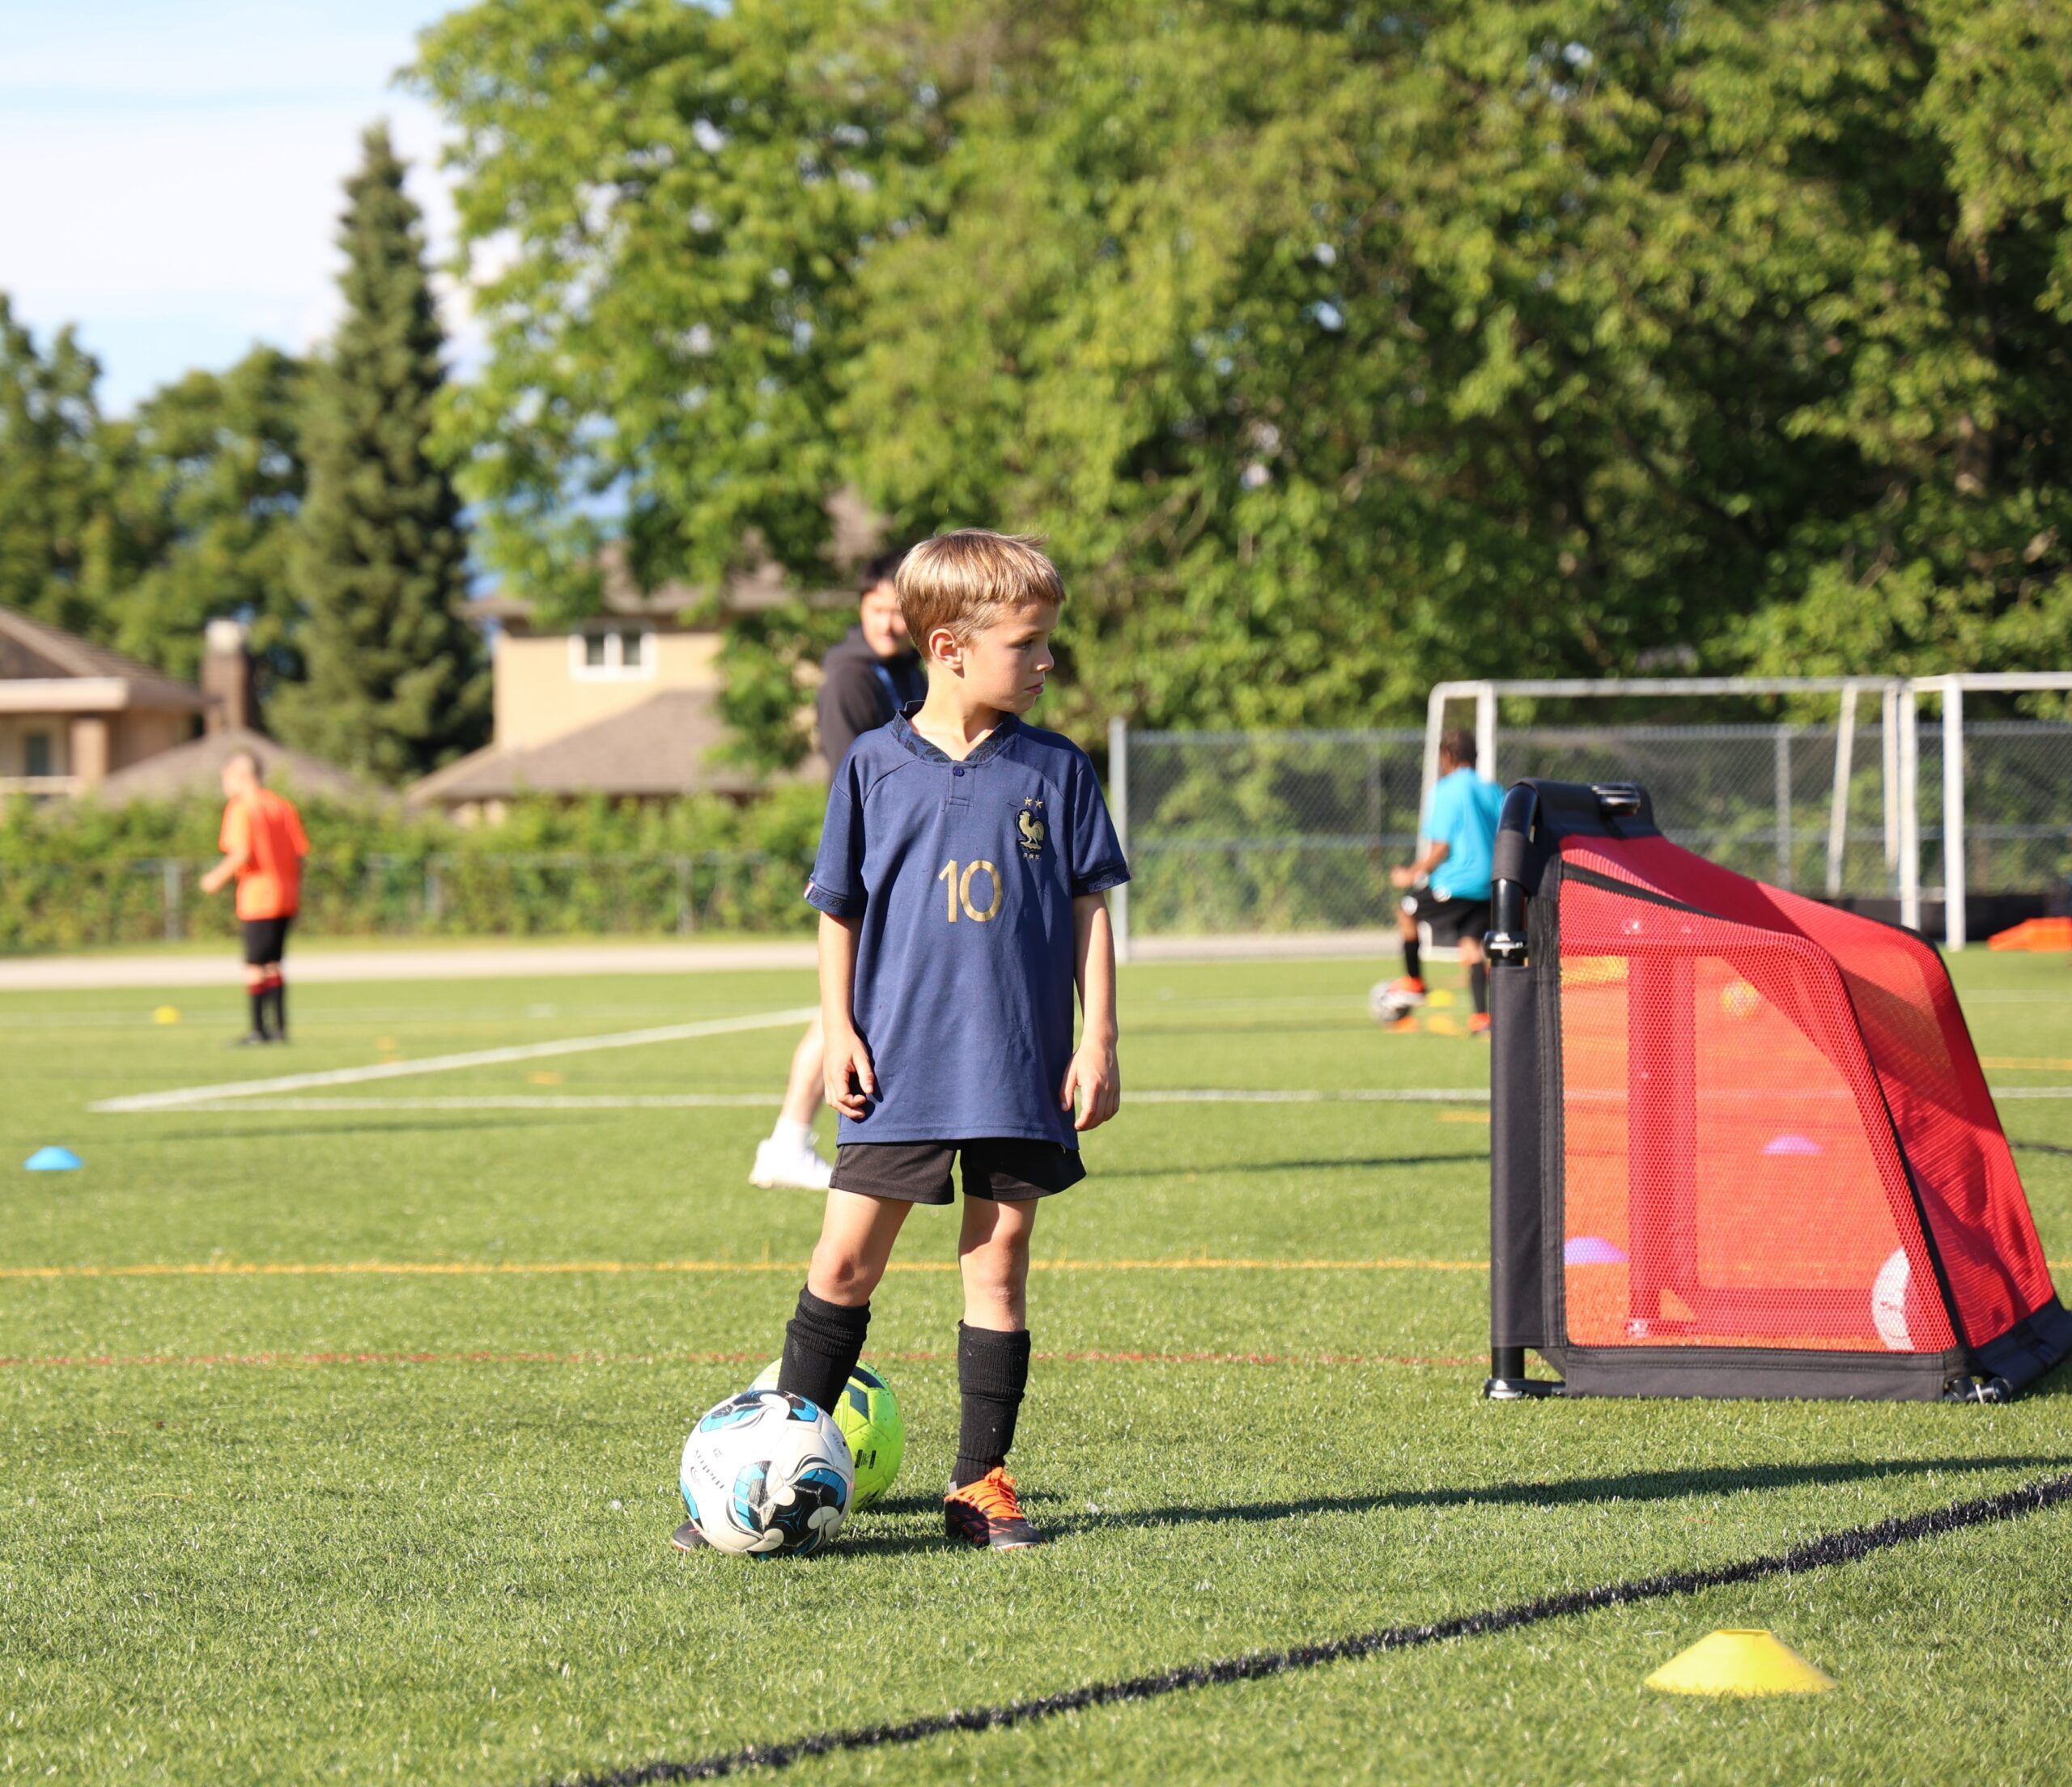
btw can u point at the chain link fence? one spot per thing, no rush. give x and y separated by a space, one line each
1234 832
463 894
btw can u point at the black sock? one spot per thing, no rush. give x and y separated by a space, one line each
1410 955
993 1372
1478 985
259 1011
822 1343
278 993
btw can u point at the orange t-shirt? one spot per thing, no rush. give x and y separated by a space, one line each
269 885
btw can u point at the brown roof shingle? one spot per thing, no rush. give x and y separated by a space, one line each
660 747
197 767
33 649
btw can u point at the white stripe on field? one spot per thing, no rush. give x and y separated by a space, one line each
223 1098
749 1100
187 1096
1360 1095
607 1100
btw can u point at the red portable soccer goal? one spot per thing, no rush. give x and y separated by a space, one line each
1741 1144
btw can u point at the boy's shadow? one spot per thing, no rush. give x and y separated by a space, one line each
1637 1486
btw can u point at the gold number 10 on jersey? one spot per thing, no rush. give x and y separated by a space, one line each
958 891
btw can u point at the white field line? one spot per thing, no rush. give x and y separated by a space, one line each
761 1101
607 1100
733 1101
185 1097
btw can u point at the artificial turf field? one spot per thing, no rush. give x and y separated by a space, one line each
311 1506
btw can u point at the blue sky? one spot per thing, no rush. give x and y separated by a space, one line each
170 170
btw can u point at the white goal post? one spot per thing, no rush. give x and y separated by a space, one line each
1899 703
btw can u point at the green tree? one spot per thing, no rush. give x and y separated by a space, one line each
51 543
204 484
672 202
396 684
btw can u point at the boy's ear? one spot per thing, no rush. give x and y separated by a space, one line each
942 645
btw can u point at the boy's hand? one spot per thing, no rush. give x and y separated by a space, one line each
846 1056
1094 1078
1402 877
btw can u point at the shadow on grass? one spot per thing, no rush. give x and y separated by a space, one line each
1637 1486
1222 1169
2041 1147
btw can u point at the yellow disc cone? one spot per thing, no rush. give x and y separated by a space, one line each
165 1014
1740 1662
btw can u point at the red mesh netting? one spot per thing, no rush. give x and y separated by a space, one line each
1762 1037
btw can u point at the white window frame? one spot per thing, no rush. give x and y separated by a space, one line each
614 669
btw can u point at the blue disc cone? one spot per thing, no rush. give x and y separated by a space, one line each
51 1160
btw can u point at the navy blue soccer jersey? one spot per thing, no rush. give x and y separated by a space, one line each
963 875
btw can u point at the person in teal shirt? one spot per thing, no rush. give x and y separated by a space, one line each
1446 889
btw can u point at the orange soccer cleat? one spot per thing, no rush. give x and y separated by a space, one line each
1479 1025
988 1513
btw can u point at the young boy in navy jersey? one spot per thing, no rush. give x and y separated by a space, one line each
961 882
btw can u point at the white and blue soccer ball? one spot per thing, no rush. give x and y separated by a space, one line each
765 1474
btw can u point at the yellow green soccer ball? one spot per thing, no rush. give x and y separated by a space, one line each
868 1416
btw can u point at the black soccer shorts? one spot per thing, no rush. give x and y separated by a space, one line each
265 939
1007 1168
1450 920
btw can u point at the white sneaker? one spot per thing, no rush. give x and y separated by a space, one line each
782 1162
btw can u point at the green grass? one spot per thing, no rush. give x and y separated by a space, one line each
418 1532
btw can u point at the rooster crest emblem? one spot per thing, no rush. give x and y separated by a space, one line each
1032 829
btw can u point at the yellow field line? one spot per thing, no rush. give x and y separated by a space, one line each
462 1268
527 1268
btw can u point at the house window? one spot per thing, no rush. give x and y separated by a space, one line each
35 754
612 654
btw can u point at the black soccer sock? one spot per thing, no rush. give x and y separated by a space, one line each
278 994
1411 956
259 1011
822 1343
993 1372
1478 985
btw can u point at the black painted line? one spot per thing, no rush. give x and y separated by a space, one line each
1848 1545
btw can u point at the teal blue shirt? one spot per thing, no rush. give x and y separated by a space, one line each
1462 816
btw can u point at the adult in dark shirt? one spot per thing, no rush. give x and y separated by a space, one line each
873 671
865 680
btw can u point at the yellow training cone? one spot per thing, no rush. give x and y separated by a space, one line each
165 1014
1740 1662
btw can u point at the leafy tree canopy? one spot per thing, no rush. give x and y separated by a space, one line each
206 483
1336 349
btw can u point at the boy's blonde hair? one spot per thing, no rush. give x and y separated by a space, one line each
965 580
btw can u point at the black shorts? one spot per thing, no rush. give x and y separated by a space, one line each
265 939
1008 1168
1450 920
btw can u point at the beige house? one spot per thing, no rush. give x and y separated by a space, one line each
71 713
625 705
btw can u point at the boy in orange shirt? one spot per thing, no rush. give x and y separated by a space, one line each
263 847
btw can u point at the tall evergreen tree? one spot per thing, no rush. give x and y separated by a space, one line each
396 683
